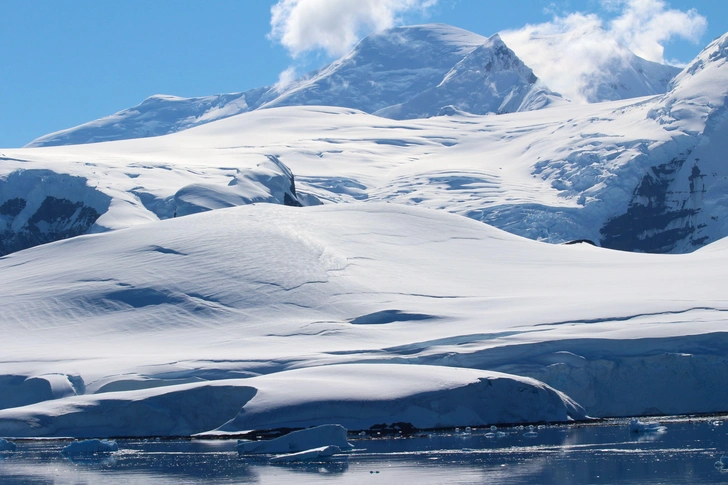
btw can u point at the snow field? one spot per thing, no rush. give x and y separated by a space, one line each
267 316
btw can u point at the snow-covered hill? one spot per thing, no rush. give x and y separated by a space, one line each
402 73
264 316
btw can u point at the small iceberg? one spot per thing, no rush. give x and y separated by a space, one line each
637 426
90 446
303 440
322 452
722 464
530 434
6 445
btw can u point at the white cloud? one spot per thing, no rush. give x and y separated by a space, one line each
646 25
562 51
335 25
569 51
285 78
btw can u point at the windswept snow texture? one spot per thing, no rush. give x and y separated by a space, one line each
241 318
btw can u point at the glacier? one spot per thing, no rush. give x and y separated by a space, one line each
250 317
312 265
642 174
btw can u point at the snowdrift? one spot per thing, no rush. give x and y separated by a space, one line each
266 316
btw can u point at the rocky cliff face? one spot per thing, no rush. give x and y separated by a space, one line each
678 205
40 206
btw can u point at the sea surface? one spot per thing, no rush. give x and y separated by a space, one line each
686 451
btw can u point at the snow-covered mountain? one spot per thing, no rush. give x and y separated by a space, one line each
402 73
586 64
491 79
641 175
304 265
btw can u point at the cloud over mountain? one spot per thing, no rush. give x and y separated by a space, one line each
334 25
567 51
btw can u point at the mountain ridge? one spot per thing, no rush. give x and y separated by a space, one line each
384 72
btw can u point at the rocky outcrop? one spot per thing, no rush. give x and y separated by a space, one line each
40 206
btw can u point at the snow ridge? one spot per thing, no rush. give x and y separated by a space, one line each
490 79
403 73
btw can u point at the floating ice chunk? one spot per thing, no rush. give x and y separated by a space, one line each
637 426
321 452
722 464
302 440
530 434
6 445
490 435
90 446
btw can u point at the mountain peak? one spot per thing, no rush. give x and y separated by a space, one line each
408 71
586 65
435 32
699 89
490 79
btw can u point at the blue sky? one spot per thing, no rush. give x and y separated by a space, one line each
67 62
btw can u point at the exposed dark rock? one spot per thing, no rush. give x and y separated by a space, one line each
578 241
24 222
12 207
54 220
394 429
654 221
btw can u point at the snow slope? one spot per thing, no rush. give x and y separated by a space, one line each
490 79
286 313
402 73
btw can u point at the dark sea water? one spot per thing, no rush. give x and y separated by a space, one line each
686 453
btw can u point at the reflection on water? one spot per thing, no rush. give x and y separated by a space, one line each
686 453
